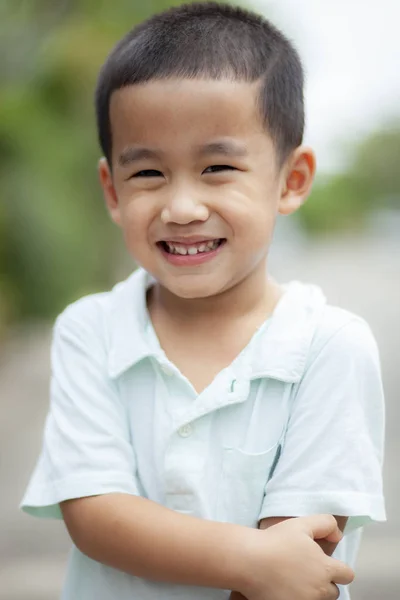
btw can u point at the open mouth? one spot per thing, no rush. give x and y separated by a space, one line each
192 249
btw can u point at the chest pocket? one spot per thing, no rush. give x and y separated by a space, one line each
247 466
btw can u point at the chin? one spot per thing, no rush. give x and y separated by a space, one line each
193 294
195 291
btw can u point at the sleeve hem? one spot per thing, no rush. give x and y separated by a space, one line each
43 501
360 508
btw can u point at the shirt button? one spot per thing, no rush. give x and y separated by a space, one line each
167 370
185 431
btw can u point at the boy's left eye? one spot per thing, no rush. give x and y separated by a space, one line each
218 168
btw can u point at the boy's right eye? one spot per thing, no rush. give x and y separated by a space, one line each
148 173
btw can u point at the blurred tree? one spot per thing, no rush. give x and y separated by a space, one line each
372 181
376 165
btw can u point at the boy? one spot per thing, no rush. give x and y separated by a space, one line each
200 402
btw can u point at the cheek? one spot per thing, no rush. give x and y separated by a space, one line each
137 214
252 217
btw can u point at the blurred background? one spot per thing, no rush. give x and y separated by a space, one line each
57 244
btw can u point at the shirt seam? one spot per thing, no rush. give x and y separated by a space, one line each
330 338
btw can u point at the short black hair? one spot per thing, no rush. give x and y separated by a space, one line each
210 40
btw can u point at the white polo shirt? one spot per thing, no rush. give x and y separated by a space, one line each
294 426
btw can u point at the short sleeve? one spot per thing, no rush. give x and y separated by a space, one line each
86 445
331 458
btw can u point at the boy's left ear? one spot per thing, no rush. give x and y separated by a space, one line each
298 178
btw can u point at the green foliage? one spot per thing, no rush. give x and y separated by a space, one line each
376 165
372 181
334 204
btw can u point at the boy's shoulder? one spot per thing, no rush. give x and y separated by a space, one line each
337 321
110 324
307 327
341 334
94 310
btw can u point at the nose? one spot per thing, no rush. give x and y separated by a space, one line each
184 207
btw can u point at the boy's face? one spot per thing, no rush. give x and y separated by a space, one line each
195 184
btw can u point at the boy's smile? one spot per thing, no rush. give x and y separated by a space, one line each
195 182
190 251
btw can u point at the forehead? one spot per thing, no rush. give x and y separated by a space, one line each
179 111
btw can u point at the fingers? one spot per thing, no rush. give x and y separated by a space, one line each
334 592
341 573
321 527
334 537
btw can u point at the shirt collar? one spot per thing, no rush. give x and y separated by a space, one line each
128 318
279 352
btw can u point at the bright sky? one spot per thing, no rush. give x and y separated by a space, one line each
351 53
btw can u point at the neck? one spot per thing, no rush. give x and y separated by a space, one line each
255 294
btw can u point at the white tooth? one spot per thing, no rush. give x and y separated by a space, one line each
192 250
209 245
170 247
201 248
181 250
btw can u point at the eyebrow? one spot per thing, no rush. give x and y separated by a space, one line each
223 147
134 154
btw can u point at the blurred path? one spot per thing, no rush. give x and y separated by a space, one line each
360 275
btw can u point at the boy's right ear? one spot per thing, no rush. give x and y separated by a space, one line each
110 195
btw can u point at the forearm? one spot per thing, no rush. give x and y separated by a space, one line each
145 539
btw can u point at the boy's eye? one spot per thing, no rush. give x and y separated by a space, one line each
218 168
148 173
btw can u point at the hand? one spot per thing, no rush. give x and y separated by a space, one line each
284 562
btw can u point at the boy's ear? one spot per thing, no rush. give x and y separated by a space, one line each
298 179
110 195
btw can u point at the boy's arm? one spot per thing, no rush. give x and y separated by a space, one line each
327 546
332 456
145 539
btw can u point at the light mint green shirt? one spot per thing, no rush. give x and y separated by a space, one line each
294 426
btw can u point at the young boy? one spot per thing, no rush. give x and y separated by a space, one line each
201 402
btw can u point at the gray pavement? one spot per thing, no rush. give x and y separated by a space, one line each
362 275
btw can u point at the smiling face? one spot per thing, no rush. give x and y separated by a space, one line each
195 184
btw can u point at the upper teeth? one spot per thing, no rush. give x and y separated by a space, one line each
204 247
